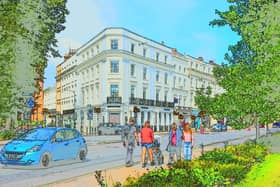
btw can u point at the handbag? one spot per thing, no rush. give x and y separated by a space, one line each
167 147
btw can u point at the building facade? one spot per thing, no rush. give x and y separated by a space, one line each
50 106
119 74
37 114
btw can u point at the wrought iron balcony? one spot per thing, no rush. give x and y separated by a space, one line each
150 102
114 100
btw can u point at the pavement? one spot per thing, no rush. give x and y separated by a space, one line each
108 157
112 175
121 173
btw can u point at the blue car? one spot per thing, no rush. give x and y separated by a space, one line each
218 127
276 124
44 146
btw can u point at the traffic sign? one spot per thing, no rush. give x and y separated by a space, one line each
30 102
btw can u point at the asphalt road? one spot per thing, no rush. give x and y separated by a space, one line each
104 152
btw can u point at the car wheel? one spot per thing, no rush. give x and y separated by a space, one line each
45 160
99 133
82 155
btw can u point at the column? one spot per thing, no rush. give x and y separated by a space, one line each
158 123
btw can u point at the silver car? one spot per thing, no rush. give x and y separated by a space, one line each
109 129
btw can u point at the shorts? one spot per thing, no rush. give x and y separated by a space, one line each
147 145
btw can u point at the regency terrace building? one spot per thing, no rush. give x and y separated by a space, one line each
118 74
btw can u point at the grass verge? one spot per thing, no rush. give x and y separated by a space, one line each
263 174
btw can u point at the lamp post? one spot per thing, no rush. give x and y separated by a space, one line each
74 116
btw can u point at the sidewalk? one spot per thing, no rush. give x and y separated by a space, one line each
113 175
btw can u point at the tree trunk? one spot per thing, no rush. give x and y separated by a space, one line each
257 129
267 128
8 123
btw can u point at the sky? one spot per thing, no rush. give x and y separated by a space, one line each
181 24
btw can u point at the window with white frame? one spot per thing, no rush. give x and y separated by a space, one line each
114 44
144 73
157 56
165 59
97 48
174 81
114 90
132 48
157 94
157 76
144 52
114 66
132 91
165 96
132 69
144 93
165 78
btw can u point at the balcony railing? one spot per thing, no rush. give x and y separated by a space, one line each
114 100
150 102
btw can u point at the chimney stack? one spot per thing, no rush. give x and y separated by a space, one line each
174 51
70 53
212 62
200 58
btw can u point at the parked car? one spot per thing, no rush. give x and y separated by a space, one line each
109 129
261 125
218 127
44 146
276 124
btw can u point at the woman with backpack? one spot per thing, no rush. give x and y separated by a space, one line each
175 143
188 140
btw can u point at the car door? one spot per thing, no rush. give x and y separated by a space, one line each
58 145
74 143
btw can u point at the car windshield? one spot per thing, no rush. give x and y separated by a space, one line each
37 135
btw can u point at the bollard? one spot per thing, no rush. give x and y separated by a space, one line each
202 148
225 144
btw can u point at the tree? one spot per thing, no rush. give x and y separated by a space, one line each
250 77
27 39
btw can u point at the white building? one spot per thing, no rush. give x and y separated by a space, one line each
50 105
119 70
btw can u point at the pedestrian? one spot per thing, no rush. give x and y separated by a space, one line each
188 139
129 136
147 139
174 143
201 131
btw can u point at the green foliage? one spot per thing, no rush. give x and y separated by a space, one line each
7 135
27 39
219 167
251 79
263 174
219 156
232 172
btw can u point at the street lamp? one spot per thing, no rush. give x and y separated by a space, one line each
74 93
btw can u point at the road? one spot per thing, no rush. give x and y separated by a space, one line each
103 152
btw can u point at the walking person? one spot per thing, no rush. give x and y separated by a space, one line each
129 136
175 143
188 139
147 139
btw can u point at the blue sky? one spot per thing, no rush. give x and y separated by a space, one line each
182 24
